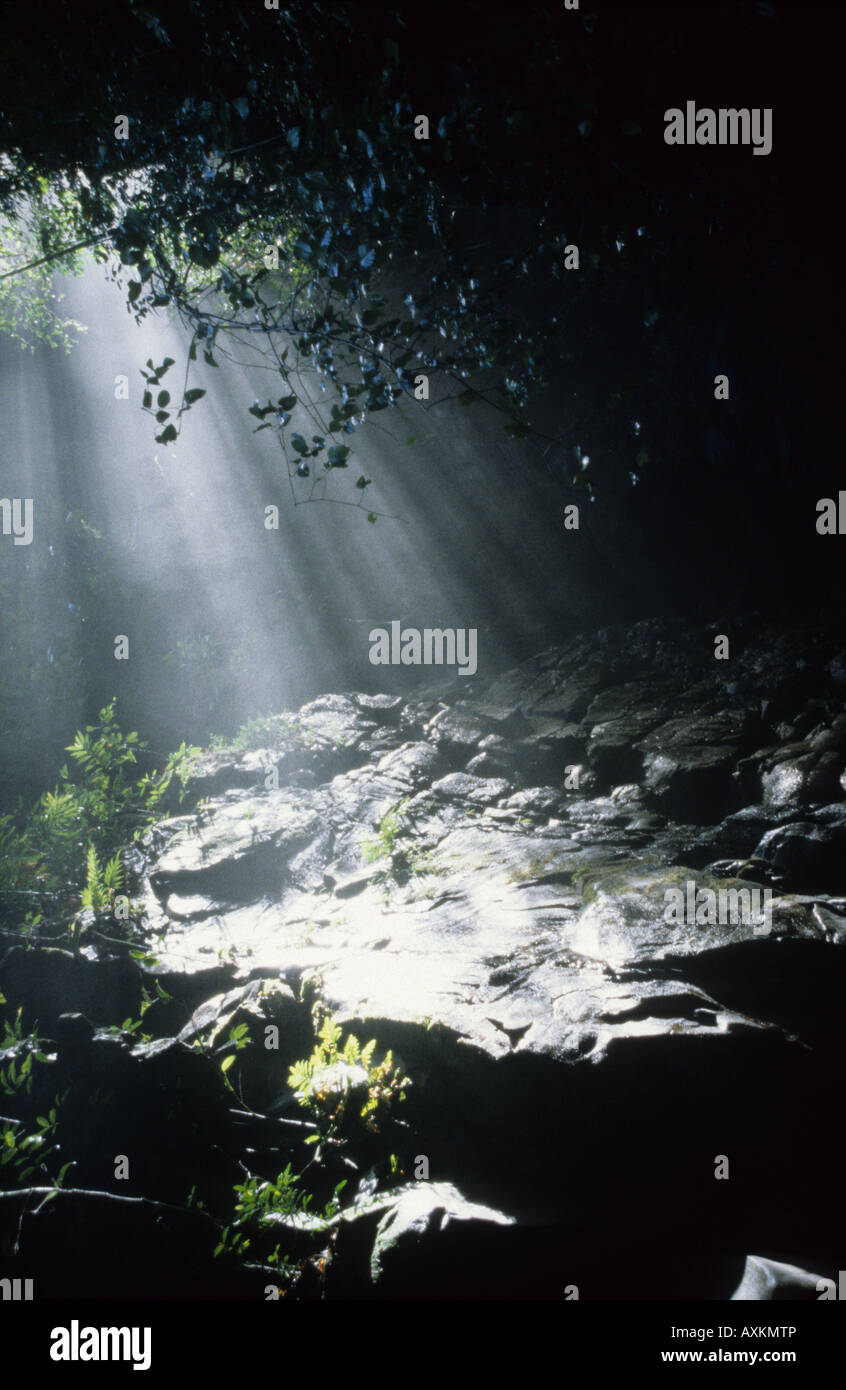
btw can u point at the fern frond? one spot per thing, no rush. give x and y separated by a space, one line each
113 873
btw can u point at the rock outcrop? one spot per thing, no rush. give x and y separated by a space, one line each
607 1097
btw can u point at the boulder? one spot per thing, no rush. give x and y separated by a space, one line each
805 856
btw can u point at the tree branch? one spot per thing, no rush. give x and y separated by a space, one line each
55 255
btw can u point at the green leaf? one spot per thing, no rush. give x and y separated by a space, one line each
163 398
205 256
191 396
338 455
227 1063
167 435
298 443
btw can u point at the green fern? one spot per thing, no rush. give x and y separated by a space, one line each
113 877
60 813
98 804
317 1089
101 885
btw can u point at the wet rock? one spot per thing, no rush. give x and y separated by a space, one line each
239 849
278 1033
690 762
794 774
456 732
479 791
215 773
508 936
612 753
73 1034
549 751
411 765
486 765
806 856
428 1234
278 1030
537 801
650 699
351 885
567 697
423 1240
770 1280
383 709
785 785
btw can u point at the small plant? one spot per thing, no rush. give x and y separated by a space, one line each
102 885
26 1152
239 1039
283 1197
275 731
347 1093
261 1205
98 805
403 865
390 828
341 1086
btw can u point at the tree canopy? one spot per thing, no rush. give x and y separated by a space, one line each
258 171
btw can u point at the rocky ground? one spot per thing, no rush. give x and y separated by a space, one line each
476 878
